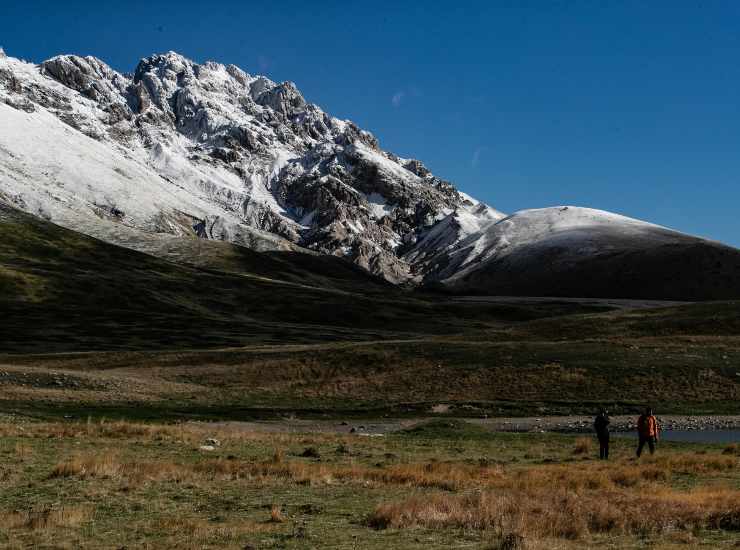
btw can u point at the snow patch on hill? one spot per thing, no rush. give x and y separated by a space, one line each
582 231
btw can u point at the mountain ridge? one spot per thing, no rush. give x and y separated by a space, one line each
182 149
262 157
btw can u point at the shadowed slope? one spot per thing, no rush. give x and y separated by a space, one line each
580 252
64 291
60 290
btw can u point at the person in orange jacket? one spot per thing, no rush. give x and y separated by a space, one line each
647 430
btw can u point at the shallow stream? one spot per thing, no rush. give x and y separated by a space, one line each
693 436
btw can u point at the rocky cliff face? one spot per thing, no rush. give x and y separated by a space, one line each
218 153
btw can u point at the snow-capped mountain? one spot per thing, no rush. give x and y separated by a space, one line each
571 251
579 232
184 149
209 150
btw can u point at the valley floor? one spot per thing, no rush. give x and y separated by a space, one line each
620 425
438 484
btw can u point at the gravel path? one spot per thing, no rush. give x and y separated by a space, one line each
622 423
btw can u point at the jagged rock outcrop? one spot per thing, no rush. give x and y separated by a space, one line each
253 154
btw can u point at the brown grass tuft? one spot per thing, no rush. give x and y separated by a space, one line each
561 513
437 475
107 465
23 451
278 456
104 464
197 533
276 516
47 517
582 446
573 501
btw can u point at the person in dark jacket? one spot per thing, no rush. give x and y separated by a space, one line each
648 431
601 425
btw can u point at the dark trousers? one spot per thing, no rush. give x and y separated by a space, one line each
649 440
603 445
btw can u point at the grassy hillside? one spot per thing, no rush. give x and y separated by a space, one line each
62 291
91 328
527 368
305 268
688 269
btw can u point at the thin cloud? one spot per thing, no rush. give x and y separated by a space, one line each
475 161
405 94
398 98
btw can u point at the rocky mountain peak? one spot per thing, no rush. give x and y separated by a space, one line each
88 75
239 157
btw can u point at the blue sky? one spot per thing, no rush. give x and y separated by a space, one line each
632 107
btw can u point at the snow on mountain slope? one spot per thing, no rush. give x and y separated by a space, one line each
465 227
571 251
464 239
580 230
64 184
208 150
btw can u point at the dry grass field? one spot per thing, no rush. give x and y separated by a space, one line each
447 484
